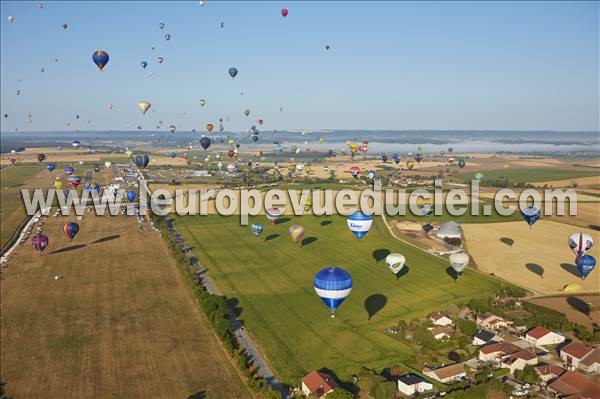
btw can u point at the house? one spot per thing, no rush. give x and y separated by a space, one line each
548 372
574 383
539 336
573 353
591 363
483 337
490 320
449 229
440 319
507 355
440 333
446 374
518 360
412 384
318 384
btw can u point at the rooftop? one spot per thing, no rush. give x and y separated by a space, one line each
319 383
538 332
577 349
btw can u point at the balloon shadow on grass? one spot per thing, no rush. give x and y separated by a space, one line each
67 249
198 395
594 227
374 304
452 273
508 241
308 240
535 268
107 238
570 268
380 254
283 220
271 237
325 223
403 272
579 304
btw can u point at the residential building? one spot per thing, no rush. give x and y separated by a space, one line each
440 319
540 336
318 384
483 337
573 353
446 374
490 320
440 333
412 384
518 360
574 384
548 372
507 355
591 363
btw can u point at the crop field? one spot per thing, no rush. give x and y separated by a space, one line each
272 280
538 259
120 323
532 175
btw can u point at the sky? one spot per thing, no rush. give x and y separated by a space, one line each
391 65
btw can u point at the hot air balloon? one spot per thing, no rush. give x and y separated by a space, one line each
479 176
161 26
40 242
371 175
531 214
10 18
273 214
296 232
144 64
172 129
100 58
247 112
107 164
233 72
205 142
128 153
395 262
327 47
450 150
58 184
130 195
359 224
168 36
50 166
231 168
71 229
73 181
580 243
160 60
173 154
69 170
585 265
202 103
81 162
256 229
141 161
41 157
284 12
384 157
144 106
355 170
209 127
461 163
110 106
332 285
93 188
459 261
76 144
260 121
418 157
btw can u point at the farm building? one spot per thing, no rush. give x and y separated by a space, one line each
318 384
449 229
412 384
539 336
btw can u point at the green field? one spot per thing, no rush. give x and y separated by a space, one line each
272 280
530 175
12 211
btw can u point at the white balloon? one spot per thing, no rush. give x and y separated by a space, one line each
459 261
395 262
580 243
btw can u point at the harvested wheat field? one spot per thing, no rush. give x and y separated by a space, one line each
119 323
538 259
581 309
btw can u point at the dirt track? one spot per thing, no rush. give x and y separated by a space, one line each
538 259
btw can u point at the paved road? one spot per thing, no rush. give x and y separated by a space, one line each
240 334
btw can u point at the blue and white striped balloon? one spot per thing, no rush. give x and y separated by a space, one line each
371 174
256 228
333 285
359 224
531 214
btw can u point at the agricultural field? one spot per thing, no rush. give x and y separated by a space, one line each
119 323
532 175
581 309
536 258
272 280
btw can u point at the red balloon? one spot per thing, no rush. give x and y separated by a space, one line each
231 153
210 127
284 12
260 121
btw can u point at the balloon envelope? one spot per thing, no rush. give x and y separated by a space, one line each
332 285
395 262
71 230
296 232
580 243
531 214
100 58
256 229
359 224
459 261
141 161
51 166
585 265
131 195
205 142
233 72
273 214
143 106
40 242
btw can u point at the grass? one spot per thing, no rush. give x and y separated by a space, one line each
12 211
530 175
272 280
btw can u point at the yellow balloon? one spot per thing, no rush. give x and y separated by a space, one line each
58 184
